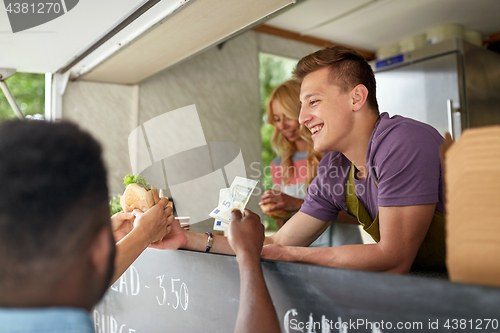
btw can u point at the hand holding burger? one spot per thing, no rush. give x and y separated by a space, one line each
139 197
155 222
145 220
279 205
138 194
279 214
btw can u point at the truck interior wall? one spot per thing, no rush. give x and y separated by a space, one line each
107 112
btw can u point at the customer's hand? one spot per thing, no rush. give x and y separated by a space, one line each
156 221
121 224
246 234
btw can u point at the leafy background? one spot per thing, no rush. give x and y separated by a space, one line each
273 71
28 90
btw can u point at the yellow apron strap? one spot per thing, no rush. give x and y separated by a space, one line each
432 252
355 207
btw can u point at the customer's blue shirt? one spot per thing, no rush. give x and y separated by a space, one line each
45 320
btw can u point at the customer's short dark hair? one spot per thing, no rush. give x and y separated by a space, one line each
347 69
52 183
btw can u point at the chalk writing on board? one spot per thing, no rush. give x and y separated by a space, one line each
108 324
130 284
181 294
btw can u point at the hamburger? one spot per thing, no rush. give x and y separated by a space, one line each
279 214
138 194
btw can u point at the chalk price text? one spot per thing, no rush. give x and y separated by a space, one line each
181 295
130 284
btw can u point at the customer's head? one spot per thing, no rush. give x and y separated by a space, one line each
56 246
347 69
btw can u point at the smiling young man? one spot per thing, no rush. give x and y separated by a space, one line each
381 172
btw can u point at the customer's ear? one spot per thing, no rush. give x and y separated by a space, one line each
99 251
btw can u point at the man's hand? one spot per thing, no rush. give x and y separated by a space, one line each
156 221
121 224
280 200
175 239
246 234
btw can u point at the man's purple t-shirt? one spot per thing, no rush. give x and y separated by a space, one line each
402 156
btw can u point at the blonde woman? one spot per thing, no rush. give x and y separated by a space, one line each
295 167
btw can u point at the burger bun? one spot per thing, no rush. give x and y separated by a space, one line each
138 197
279 214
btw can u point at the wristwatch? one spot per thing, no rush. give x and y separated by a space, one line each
210 241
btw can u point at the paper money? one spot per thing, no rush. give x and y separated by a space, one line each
218 224
221 226
236 196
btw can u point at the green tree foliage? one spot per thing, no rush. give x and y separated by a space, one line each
273 71
28 90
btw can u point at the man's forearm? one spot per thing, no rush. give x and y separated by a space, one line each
369 257
256 311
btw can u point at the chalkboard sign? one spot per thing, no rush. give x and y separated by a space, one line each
184 291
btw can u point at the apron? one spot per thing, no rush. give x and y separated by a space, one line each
432 252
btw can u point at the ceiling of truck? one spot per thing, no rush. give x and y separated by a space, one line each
52 45
166 33
169 31
369 24
193 29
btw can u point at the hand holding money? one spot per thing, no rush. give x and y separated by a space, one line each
246 234
235 197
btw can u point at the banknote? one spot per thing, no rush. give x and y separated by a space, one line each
236 196
218 224
221 226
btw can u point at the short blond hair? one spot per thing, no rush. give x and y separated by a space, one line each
347 69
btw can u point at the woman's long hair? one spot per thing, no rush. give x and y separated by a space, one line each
287 95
